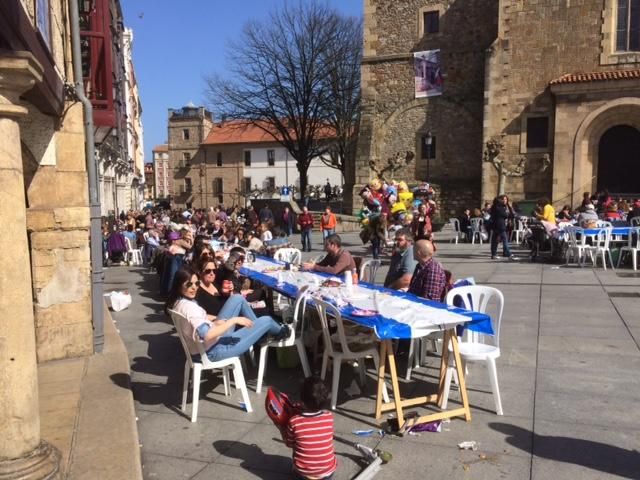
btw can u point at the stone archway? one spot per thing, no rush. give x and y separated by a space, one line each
623 111
619 160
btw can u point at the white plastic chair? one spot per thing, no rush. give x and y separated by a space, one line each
133 255
180 322
635 221
455 224
578 247
289 255
600 247
298 312
339 347
631 247
418 351
474 346
520 231
369 269
476 229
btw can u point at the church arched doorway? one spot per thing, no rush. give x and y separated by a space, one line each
619 160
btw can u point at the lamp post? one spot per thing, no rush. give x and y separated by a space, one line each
428 139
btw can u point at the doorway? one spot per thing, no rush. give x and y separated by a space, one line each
619 160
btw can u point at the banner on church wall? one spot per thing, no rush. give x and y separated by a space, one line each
428 73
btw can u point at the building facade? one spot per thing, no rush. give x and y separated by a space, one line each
135 132
111 86
572 110
149 182
230 162
163 173
554 83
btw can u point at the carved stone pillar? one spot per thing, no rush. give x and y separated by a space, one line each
23 456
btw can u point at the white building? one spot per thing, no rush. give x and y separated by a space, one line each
271 166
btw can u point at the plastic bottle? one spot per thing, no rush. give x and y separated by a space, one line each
348 279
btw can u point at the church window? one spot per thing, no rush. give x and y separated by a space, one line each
537 132
431 22
628 26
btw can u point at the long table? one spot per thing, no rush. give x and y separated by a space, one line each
400 316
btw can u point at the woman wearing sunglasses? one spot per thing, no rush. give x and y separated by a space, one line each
218 333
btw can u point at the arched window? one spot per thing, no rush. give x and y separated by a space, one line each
628 26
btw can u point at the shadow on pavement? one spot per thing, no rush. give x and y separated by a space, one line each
586 453
253 457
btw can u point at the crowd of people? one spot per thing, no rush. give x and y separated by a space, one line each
501 217
228 313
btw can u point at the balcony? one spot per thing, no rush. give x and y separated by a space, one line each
97 64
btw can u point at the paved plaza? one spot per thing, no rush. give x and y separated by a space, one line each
568 373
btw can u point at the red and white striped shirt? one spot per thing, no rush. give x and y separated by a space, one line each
311 437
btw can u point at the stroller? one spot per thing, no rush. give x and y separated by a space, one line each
540 242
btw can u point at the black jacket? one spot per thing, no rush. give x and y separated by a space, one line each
499 216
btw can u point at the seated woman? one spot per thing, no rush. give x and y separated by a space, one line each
218 333
612 213
208 295
565 214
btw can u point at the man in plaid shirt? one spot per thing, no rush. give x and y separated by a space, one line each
428 279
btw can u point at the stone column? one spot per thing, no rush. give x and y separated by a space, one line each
23 456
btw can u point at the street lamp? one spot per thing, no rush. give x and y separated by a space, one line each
428 139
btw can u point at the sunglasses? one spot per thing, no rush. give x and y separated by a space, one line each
191 284
208 271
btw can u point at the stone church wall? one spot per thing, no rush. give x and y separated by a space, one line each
394 120
538 42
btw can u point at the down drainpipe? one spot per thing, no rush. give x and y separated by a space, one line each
97 280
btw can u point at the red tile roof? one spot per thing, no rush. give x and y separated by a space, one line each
240 132
236 132
161 148
597 76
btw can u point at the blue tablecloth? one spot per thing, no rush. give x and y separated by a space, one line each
615 231
385 328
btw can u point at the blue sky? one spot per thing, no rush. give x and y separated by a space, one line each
177 42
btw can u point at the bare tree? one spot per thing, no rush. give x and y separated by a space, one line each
278 75
493 149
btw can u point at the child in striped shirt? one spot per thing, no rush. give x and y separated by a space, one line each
310 434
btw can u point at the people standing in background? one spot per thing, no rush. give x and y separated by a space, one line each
500 215
421 227
288 221
328 223
305 221
328 191
465 223
266 215
252 218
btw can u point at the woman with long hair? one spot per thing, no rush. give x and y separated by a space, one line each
218 333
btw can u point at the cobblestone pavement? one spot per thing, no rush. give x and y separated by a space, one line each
568 376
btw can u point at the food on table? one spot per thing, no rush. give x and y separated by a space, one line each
331 282
275 268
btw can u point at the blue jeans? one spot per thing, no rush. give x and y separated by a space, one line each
505 243
235 343
327 232
306 239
